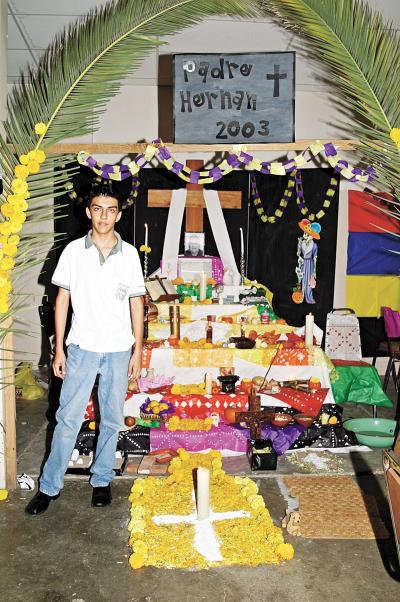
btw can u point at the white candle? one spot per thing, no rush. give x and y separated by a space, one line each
241 242
309 330
208 383
203 493
146 235
203 286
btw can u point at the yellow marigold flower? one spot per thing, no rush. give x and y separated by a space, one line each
21 171
40 128
4 307
134 537
4 278
14 239
395 135
6 228
136 560
140 547
7 263
251 485
7 210
183 454
136 525
3 494
6 288
39 155
15 227
23 159
18 217
21 205
33 167
256 501
142 248
138 512
19 186
170 480
9 250
285 551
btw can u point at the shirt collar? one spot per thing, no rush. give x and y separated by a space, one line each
89 242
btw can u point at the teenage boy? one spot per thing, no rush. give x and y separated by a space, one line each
102 277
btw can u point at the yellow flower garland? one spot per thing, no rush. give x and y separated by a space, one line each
246 541
189 424
13 211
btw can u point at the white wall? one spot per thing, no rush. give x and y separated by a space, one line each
133 115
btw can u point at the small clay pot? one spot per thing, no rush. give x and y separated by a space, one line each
281 419
303 419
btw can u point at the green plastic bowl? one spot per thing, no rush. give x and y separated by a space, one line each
374 432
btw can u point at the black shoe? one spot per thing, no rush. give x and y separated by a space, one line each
101 496
39 503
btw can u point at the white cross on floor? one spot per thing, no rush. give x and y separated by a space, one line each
205 539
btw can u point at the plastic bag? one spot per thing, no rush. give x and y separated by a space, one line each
26 385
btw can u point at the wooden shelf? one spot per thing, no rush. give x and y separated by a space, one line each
115 148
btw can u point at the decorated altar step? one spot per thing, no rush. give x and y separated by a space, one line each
203 405
225 437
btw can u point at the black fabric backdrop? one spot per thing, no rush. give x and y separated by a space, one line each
272 248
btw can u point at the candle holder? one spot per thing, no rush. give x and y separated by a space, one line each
242 269
146 250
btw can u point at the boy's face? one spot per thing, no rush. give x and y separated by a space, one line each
104 214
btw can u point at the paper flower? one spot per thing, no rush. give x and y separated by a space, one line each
19 186
21 171
33 167
285 551
40 128
395 135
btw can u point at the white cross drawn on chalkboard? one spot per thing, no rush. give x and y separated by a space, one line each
276 76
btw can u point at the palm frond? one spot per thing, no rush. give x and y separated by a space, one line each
362 54
75 79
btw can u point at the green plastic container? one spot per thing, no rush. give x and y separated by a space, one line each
374 432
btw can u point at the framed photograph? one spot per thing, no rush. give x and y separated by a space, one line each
190 268
194 244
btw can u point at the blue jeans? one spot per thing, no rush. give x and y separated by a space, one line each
82 368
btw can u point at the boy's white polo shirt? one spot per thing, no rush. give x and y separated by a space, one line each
100 292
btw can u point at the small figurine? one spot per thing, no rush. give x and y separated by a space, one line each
307 253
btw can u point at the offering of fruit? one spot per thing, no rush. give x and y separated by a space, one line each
160 410
130 421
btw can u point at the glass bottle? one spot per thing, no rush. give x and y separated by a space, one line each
209 332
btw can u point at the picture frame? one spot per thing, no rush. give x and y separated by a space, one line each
194 244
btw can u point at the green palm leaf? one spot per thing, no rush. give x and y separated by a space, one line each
74 81
362 53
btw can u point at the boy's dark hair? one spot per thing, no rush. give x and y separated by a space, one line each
105 189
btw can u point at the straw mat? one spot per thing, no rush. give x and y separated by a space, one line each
335 508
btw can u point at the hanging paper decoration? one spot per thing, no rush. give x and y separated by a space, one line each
69 187
238 158
283 203
301 202
306 270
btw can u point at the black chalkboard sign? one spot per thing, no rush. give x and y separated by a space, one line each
232 98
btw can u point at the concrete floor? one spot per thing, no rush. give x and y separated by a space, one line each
75 553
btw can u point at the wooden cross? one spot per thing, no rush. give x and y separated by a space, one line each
195 200
254 417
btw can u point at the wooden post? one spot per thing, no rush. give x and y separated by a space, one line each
9 413
194 215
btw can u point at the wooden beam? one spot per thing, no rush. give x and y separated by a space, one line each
9 412
115 148
230 199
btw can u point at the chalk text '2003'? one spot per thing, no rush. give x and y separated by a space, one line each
248 129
